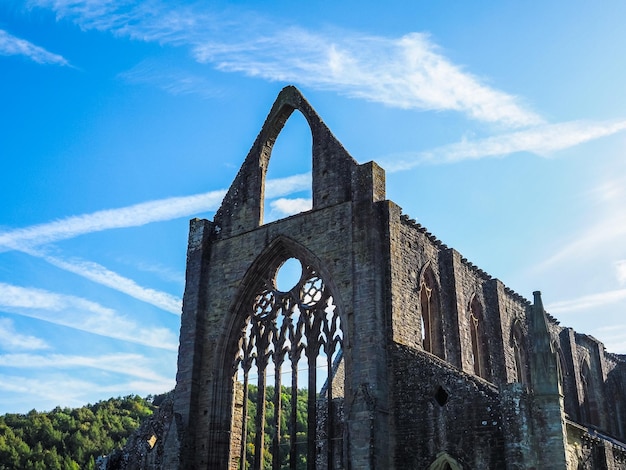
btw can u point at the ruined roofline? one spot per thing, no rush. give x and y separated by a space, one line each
484 275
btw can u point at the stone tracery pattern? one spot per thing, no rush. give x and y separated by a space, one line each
301 326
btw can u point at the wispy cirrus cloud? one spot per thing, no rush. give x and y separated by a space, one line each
134 365
82 314
408 72
543 140
11 340
170 79
20 392
620 268
97 273
44 390
25 239
28 239
602 234
130 216
11 45
587 302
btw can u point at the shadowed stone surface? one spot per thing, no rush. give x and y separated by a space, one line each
442 366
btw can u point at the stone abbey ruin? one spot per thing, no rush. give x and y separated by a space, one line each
390 351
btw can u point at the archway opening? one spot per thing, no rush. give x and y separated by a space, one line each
288 182
289 380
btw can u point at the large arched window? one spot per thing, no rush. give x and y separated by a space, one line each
289 380
478 354
432 335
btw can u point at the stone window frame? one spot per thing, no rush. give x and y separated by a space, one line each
518 344
259 279
431 316
478 348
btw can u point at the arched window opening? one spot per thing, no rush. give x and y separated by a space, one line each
519 354
560 366
432 335
475 323
288 184
445 462
289 385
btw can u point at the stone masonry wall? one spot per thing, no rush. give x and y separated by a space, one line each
403 406
439 408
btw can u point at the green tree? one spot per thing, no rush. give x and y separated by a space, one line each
69 439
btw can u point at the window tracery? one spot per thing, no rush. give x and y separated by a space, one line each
477 352
431 328
287 362
519 355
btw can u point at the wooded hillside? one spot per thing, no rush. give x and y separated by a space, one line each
68 439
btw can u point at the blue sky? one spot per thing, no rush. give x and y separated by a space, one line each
500 124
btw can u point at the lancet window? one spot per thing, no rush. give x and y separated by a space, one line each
289 379
519 355
478 356
585 378
432 337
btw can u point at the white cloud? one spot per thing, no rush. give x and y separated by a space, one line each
597 237
82 314
11 340
133 365
50 390
587 302
285 207
543 140
98 273
170 79
620 268
131 216
407 72
25 239
164 273
11 45
139 214
284 186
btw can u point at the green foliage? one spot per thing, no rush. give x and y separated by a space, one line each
69 439
270 431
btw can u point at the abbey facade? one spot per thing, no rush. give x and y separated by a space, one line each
386 350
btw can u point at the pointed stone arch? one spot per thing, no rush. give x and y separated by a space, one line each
518 344
479 353
269 328
230 263
430 311
242 208
444 461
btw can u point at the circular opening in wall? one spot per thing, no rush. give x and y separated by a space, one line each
288 275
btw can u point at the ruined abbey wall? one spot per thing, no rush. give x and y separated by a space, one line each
442 365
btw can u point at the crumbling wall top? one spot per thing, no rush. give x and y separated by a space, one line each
242 207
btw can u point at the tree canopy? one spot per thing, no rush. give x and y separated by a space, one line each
67 438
